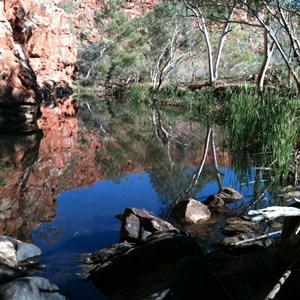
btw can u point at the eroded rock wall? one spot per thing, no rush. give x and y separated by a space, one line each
43 32
36 47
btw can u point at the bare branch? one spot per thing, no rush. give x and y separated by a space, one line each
258 238
272 212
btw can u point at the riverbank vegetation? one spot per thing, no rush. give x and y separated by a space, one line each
234 62
185 42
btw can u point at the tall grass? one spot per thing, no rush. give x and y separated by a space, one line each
266 124
138 93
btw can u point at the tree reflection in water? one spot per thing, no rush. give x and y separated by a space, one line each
95 174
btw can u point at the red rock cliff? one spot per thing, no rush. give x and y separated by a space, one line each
41 30
36 47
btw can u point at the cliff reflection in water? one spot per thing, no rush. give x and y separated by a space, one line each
33 171
74 177
72 153
19 210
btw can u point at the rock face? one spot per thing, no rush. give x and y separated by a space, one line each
42 31
35 46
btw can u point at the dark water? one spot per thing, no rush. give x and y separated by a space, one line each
71 183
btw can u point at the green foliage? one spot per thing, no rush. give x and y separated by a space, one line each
239 59
171 38
161 44
266 124
84 93
130 48
138 93
120 53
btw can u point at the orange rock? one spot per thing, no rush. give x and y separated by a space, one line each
45 39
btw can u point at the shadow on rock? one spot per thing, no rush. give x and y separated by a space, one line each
166 264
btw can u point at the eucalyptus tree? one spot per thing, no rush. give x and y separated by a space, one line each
280 20
170 37
150 45
204 13
269 46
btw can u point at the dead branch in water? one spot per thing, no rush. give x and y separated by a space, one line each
272 212
258 238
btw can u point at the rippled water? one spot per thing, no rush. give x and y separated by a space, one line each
63 190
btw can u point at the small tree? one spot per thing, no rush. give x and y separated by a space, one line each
285 19
204 12
170 37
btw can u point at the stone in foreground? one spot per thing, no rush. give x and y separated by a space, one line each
33 288
167 265
191 211
138 224
12 251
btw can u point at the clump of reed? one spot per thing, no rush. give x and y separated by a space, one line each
266 124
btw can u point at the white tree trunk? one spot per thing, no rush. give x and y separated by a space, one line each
197 12
222 40
268 51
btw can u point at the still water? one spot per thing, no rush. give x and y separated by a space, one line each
62 187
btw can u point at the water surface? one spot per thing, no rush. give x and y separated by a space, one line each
62 187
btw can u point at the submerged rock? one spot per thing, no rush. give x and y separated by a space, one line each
215 203
243 234
190 211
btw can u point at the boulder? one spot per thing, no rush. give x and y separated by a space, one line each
17 259
186 278
214 202
190 211
247 276
115 267
225 196
17 265
138 224
13 251
229 195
